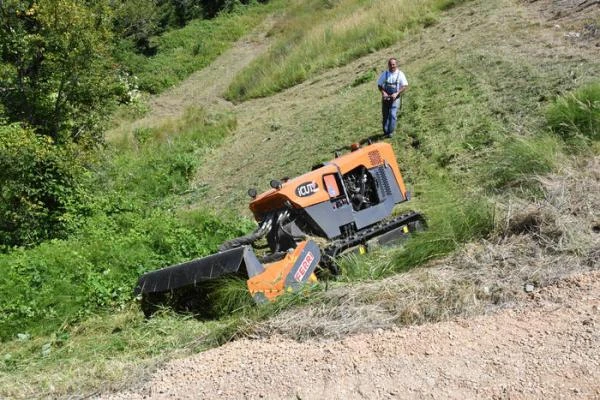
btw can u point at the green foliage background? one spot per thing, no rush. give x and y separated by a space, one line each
56 67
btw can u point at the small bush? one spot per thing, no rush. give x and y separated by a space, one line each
575 117
40 181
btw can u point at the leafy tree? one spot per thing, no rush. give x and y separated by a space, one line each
213 7
178 12
57 72
186 10
138 21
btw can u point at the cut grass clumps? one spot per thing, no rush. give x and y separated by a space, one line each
367 77
229 295
575 117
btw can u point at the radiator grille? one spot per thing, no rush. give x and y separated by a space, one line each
375 158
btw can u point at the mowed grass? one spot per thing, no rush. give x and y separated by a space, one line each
316 35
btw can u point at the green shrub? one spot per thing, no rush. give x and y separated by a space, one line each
59 282
575 117
57 70
40 181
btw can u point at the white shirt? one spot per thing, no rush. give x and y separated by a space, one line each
392 81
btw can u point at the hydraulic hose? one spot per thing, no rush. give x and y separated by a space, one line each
260 232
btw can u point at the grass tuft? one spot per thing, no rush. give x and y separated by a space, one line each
575 116
230 295
518 160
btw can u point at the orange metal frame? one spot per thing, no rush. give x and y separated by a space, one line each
271 282
369 156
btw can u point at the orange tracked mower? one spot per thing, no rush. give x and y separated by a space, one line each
347 203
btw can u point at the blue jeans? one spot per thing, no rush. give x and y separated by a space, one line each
389 111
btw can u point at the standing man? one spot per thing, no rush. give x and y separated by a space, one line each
392 83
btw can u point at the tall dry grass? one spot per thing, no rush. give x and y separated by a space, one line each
315 36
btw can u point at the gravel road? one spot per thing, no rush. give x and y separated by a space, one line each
546 347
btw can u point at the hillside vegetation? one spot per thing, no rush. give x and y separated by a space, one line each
499 98
314 36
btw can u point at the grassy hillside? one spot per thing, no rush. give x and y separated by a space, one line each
183 51
315 36
498 96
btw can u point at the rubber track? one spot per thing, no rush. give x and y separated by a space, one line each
362 236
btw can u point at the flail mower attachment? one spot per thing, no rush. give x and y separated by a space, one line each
187 286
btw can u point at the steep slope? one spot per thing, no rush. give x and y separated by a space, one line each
500 47
205 87
533 287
